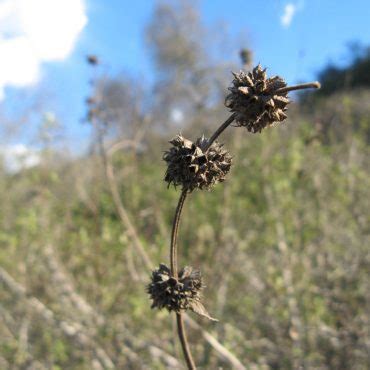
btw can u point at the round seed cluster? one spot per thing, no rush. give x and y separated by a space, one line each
174 294
181 294
192 166
256 99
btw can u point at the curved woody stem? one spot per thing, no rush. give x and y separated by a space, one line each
219 131
173 251
175 231
174 272
184 342
308 85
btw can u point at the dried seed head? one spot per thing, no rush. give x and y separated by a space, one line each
246 56
192 166
93 109
92 60
256 100
181 294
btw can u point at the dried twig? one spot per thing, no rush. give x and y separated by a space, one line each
223 353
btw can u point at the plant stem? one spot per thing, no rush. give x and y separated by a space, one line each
174 271
184 342
173 251
175 231
309 85
219 131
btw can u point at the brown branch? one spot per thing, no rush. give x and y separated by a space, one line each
131 230
222 351
308 85
173 250
174 271
184 342
121 210
174 234
220 130
170 361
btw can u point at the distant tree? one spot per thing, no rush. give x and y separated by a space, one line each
356 75
173 36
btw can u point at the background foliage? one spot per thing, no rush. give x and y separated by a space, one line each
282 244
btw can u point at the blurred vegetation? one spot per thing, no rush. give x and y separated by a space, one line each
356 75
283 244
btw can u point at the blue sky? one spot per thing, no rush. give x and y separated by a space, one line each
293 38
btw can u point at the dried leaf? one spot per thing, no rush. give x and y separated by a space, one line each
199 309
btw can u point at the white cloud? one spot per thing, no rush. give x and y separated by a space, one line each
289 12
19 156
33 32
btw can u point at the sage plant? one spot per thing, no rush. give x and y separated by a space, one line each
255 102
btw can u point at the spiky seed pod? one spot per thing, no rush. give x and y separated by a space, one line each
92 60
181 294
255 99
246 56
191 166
93 109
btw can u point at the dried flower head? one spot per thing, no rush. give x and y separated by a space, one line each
93 109
193 166
256 99
181 294
246 56
92 60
